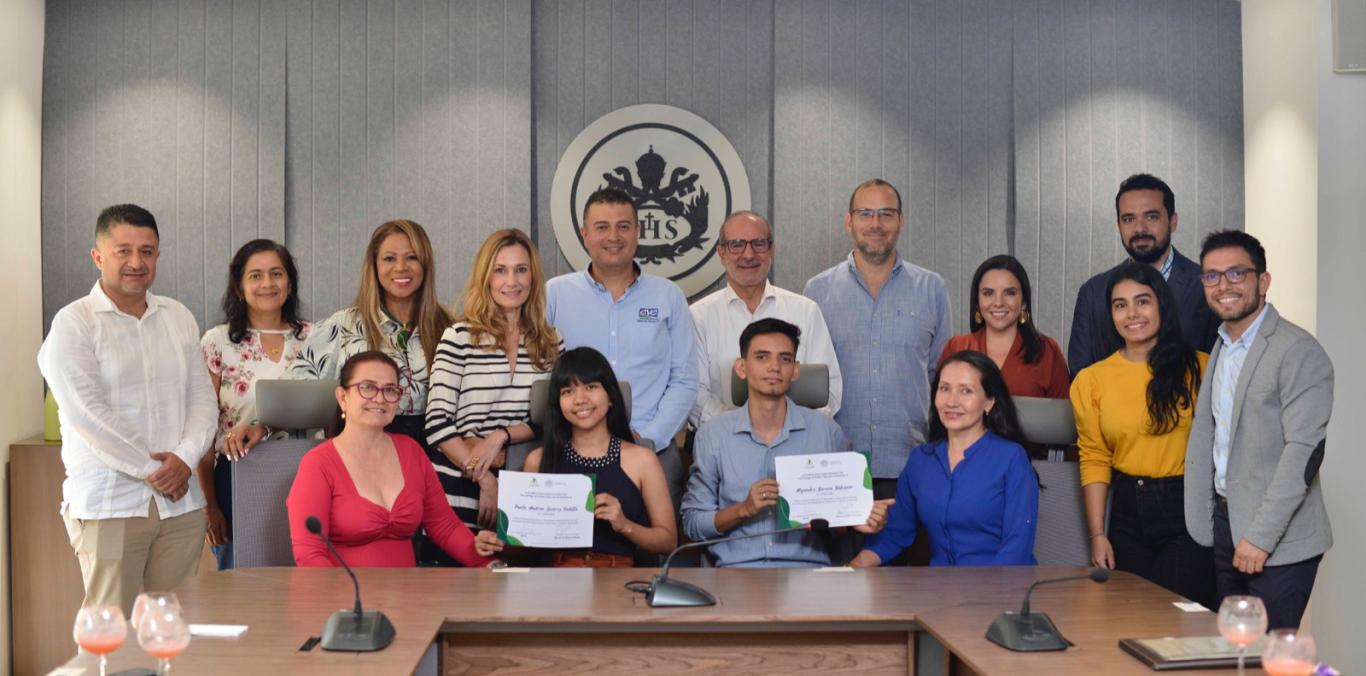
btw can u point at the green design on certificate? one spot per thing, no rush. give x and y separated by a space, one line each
836 487
546 510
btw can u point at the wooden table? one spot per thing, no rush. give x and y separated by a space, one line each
585 621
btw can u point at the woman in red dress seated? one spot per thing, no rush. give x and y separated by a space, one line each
371 489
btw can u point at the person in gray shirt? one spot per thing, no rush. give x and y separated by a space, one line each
731 489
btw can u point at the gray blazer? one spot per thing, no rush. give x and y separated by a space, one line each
1280 418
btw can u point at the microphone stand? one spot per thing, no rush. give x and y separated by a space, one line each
1035 632
666 592
352 629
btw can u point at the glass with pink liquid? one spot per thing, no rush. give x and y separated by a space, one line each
100 630
1289 653
163 634
1242 620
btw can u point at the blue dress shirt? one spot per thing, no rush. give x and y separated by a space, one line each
888 348
727 459
1227 368
647 336
983 513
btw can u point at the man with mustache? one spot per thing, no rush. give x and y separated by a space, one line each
746 247
137 412
1257 439
889 320
1145 210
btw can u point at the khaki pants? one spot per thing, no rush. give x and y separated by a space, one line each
120 558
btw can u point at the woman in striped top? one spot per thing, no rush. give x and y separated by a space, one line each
480 397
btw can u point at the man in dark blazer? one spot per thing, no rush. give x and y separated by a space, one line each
1145 208
1257 439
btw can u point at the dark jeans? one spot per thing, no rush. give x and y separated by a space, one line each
1148 533
1284 589
222 488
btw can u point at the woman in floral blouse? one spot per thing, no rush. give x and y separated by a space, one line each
262 336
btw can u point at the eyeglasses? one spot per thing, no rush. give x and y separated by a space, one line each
737 246
887 216
1233 275
368 390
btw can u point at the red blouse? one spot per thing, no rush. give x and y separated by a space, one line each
364 533
1047 377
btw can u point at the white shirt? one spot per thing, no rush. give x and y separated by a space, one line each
721 317
127 387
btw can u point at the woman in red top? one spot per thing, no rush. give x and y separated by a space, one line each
1002 329
371 489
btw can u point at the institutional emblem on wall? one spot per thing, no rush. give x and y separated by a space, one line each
683 174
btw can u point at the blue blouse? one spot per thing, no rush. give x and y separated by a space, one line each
983 513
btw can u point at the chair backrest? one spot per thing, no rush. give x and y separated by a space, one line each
260 484
811 389
540 399
261 480
1046 421
1060 533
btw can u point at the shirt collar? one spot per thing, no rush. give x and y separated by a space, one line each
103 303
791 423
729 295
853 268
1250 334
1166 268
594 283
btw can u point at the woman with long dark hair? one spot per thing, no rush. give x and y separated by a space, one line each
1133 412
588 432
261 335
971 485
371 489
1001 326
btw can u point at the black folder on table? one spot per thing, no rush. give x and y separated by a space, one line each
1194 652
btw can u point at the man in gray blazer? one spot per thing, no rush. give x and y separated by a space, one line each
1256 443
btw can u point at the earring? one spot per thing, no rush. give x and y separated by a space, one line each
343 415
977 317
1024 315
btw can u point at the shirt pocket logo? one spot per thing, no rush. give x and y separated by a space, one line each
647 315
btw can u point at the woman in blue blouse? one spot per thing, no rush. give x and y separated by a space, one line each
970 485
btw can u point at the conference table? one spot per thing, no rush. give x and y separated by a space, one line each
587 621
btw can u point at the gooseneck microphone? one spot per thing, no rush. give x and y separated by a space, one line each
352 630
666 592
1033 632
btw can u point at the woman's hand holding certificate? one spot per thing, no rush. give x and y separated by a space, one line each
546 510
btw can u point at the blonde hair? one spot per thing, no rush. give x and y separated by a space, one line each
429 318
485 318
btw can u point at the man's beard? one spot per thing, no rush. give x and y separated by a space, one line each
875 255
1153 254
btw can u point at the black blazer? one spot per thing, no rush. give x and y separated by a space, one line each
1093 332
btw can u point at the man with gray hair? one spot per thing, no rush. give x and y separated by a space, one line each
746 247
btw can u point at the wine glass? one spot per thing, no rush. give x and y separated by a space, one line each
158 599
1289 653
100 629
163 634
1242 620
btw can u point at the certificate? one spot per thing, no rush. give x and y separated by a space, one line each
545 510
837 487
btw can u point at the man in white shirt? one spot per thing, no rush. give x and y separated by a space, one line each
137 413
746 248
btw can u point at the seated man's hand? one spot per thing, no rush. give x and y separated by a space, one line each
172 479
876 518
763 494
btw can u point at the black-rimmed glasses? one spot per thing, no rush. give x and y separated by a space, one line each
737 246
1233 275
368 390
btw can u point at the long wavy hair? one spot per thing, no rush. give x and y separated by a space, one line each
1029 334
234 302
429 318
347 378
579 366
1174 365
1002 420
485 317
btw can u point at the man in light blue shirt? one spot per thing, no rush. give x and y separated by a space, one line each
732 490
889 320
640 322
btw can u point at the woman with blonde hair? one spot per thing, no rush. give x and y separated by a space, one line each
480 400
396 312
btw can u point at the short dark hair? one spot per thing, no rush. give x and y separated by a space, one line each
1147 182
1029 334
1224 239
763 327
875 182
607 196
128 214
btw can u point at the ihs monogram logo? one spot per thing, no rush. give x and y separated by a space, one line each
660 208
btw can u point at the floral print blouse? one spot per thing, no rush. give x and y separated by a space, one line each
337 338
238 367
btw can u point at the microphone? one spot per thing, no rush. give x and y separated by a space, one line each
352 630
666 592
1034 632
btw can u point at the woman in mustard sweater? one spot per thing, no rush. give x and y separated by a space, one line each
1133 412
